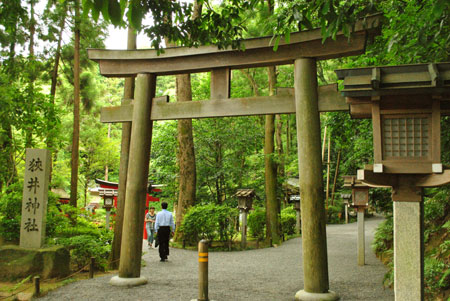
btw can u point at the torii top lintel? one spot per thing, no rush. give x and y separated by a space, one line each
258 53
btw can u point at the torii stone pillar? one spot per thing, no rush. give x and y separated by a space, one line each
314 244
141 134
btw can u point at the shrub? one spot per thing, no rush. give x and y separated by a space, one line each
288 222
334 212
289 210
75 230
257 223
209 222
384 237
83 247
10 212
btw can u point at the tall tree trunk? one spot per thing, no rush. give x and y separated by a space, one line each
50 142
280 153
8 171
288 136
186 155
128 94
186 152
76 110
29 133
57 56
272 204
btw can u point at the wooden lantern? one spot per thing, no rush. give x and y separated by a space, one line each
346 197
245 198
296 200
360 192
405 104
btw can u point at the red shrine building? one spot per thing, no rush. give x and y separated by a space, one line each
151 197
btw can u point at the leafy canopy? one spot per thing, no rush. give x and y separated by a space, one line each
172 19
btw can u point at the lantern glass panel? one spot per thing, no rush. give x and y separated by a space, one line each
108 201
361 197
406 137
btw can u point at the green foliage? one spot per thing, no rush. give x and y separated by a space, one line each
257 223
384 237
83 247
221 25
76 230
437 276
334 212
331 16
10 212
381 200
288 220
209 222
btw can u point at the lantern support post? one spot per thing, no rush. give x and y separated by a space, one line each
361 236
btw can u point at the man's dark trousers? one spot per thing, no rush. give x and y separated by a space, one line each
163 237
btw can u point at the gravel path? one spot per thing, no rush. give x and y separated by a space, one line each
265 274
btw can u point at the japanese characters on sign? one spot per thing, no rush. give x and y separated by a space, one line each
35 194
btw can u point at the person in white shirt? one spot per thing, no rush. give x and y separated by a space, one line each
164 225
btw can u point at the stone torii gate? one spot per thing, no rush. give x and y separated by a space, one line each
307 100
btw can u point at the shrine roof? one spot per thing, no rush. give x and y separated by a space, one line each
433 78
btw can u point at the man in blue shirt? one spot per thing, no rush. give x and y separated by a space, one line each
163 226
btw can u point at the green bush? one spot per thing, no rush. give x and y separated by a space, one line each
289 210
256 223
10 212
335 212
437 276
83 247
209 222
76 230
288 222
384 236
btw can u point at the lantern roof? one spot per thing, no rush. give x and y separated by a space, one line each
107 192
353 182
245 193
433 78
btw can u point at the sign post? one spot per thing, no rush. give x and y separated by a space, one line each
35 197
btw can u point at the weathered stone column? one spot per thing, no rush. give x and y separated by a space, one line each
315 262
408 251
361 236
346 213
244 229
133 223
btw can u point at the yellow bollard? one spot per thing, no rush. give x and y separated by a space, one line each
203 270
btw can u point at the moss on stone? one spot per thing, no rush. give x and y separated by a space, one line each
17 262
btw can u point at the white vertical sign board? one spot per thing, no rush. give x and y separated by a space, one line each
35 196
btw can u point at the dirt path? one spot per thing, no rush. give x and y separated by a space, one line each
265 274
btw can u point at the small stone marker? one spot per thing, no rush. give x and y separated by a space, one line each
35 196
